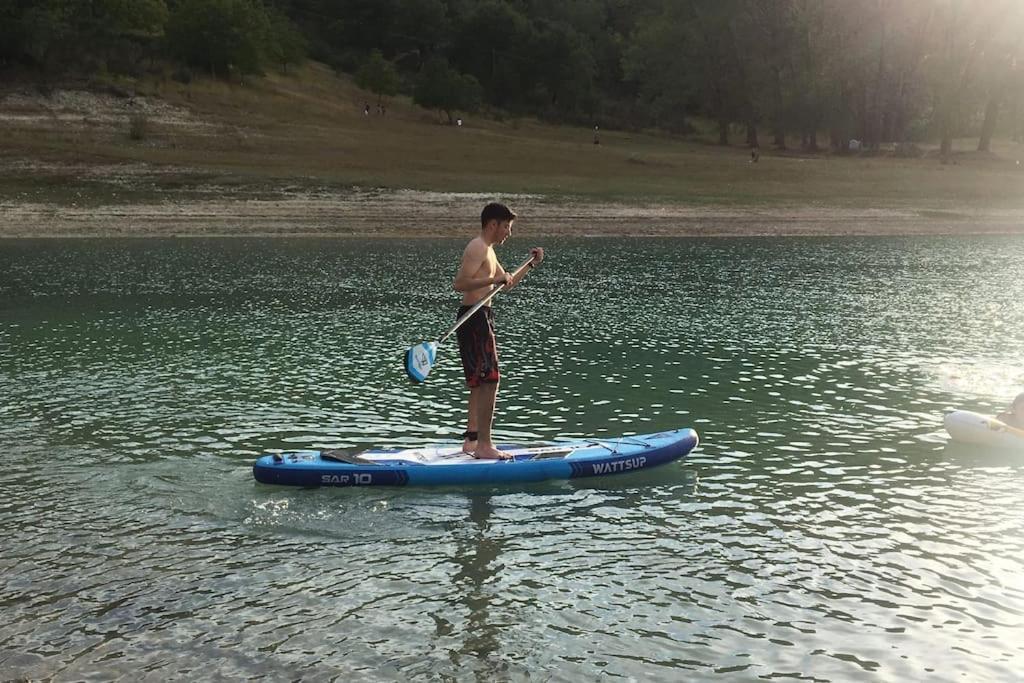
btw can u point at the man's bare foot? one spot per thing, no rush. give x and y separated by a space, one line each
490 453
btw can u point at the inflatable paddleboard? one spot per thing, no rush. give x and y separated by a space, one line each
448 465
968 427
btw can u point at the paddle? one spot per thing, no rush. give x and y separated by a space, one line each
419 360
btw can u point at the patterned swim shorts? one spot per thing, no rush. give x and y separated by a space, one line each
478 347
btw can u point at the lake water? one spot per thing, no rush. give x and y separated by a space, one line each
824 529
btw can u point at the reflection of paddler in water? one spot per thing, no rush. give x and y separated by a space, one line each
477 568
1014 417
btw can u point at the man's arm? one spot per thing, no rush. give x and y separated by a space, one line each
538 256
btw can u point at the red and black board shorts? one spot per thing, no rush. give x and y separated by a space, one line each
478 347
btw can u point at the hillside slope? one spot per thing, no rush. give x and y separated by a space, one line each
304 137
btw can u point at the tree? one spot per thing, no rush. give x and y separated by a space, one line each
379 76
767 44
656 64
43 30
441 87
491 42
877 70
997 76
563 69
61 35
421 28
715 73
222 35
1016 94
288 45
965 35
122 31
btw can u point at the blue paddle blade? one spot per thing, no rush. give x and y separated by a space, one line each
419 360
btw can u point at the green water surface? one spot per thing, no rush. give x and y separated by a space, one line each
824 529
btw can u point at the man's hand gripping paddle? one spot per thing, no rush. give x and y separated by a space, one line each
419 360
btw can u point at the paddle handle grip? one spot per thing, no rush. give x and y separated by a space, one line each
483 302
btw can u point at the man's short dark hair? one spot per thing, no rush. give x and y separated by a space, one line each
496 211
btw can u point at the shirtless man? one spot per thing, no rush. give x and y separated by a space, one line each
479 272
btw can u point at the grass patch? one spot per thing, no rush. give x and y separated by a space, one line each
138 126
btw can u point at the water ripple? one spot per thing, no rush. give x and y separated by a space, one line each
824 529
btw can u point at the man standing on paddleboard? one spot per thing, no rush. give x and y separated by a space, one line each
478 273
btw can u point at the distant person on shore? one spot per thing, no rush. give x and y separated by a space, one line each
366 109
597 139
1015 415
478 273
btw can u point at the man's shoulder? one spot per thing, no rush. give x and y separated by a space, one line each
476 246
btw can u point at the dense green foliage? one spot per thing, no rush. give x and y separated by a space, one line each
870 70
91 35
378 75
219 34
441 87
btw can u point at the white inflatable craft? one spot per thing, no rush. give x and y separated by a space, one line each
968 427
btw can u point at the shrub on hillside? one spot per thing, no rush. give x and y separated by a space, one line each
231 36
378 75
138 125
441 87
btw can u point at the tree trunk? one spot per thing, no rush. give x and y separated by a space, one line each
946 98
836 141
780 138
899 126
863 131
989 126
895 127
960 70
946 125
888 127
752 135
947 143
779 131
1015 123
873 132
811 144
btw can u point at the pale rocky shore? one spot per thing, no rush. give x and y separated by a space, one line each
408 213
69 190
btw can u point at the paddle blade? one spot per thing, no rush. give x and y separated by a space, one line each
419 360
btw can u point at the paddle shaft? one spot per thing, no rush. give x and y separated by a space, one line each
476 307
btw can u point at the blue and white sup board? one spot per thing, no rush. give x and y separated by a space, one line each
448 465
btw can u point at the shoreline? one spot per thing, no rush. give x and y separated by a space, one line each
424 214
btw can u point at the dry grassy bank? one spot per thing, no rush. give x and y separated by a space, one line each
282 154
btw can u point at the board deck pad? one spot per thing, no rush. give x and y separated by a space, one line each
432 455
448 464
